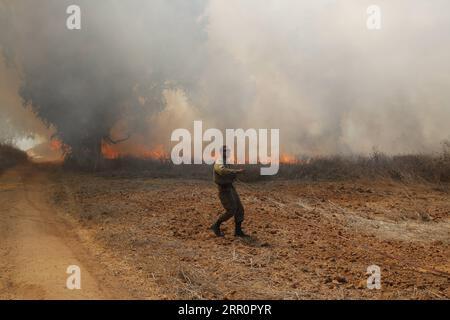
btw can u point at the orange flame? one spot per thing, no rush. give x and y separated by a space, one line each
56 145
134 150
136 147
108 151
288 159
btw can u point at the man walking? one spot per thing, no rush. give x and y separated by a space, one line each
224 177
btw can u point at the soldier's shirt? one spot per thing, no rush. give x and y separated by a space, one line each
224 177
223 174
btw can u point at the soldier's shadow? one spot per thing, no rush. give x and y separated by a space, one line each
253 241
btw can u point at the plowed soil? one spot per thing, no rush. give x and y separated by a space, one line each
148 238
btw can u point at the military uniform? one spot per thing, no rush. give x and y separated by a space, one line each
224 177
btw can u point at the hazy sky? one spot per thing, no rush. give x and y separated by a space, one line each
310 68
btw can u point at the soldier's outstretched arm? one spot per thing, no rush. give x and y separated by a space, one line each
223 171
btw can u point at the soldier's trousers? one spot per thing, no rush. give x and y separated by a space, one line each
232 204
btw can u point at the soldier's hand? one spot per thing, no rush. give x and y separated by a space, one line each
240 170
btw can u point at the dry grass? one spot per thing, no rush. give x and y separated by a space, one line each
434 168
431 168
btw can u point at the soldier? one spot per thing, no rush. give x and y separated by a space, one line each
224 177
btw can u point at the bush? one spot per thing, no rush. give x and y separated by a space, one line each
11 156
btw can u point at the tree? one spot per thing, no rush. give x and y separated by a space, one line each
81 82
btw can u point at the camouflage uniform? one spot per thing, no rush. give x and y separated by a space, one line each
224 177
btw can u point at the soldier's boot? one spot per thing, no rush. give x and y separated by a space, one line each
216 229
238 231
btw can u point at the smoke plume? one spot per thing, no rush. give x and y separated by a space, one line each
139 69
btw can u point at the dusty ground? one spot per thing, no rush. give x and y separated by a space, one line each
37 245
149 238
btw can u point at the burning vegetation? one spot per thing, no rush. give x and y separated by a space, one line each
82 87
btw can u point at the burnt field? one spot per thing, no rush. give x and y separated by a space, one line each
140 229
315 229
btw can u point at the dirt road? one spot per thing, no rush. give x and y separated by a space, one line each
37 245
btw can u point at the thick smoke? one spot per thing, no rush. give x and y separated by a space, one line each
310 68
117 67
313 69
16 123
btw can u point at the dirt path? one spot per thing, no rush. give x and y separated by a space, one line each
37 245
